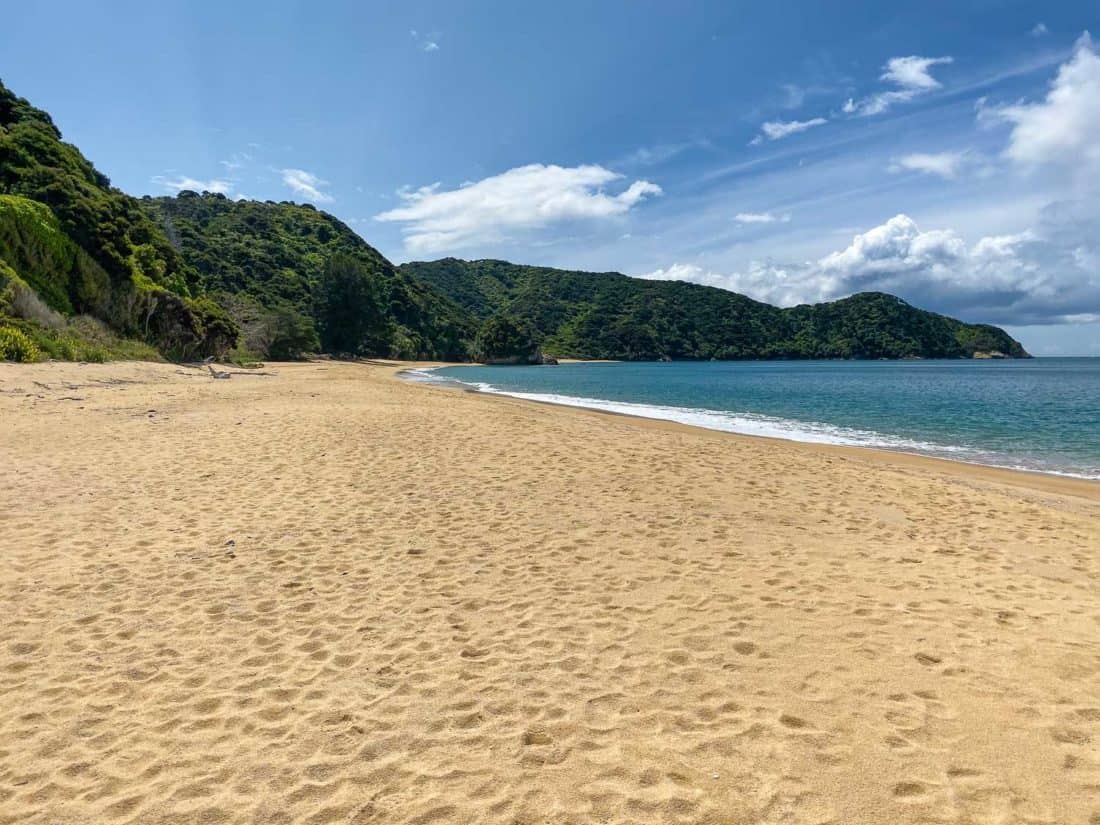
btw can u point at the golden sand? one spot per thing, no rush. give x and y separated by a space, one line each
329 596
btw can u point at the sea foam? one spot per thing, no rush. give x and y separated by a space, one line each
754 424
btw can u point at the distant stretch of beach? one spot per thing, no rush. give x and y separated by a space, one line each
320 594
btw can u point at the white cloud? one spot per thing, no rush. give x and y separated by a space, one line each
221 187
1039 30
1064 128
660 153
238 160
760 217
779 129
944 164
910 75
521 199
427 42
682 272
793 95
306 184
912 72
1044 270
1047 274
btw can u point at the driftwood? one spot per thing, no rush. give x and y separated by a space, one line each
227 374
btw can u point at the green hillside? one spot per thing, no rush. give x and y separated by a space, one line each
273 256
128 276
609 315
191 276
89 272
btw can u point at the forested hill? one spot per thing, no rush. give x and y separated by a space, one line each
262 255
609 315
72 245
88 272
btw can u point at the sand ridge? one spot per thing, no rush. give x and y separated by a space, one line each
329 596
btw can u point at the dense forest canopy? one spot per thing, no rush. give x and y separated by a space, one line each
274 255
88 272
192 276
609 315
139 284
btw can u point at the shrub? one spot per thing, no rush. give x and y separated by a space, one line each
25 303
243 357
81 338
15 346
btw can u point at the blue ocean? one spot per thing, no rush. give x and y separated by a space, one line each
1041 414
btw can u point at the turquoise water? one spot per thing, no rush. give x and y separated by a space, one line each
1041 414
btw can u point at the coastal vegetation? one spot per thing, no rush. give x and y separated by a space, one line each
609 315
88 272
86 248
506 339
276 256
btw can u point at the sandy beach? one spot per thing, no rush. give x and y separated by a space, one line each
326 595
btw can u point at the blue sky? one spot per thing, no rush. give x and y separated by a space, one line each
946 152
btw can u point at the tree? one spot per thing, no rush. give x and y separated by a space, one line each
352 309
292 335
503 339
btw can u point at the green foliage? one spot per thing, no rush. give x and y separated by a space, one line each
282 334
62 273
85 247
16 346
217 331
61 337
83 338
103 221
293 335
189 274
974 338
351 309
506 339
275 254
243 357
608 315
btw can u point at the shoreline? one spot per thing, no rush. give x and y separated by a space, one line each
1036 479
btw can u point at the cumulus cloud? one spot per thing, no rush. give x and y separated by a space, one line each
760 217
1046 275
179 184
944 164
779 129
306 184
1063 128
521 199
1039 29
910 75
